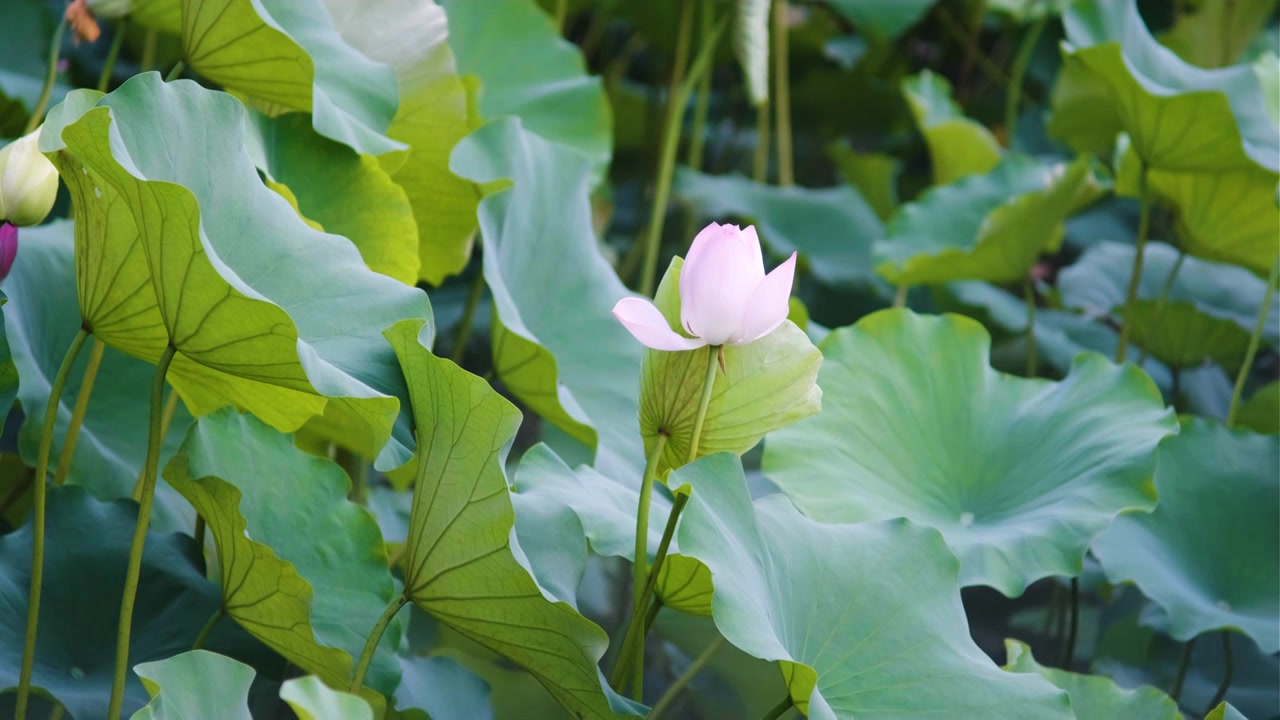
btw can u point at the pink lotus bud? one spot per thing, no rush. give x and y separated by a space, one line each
8 248
725 296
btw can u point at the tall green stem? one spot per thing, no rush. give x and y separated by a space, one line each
1069 653
55 46
1029 295
371 645
208 627
1131 298
640 564
468 315
104 79
38 491
1019 73
670 141
68 452
708 384
1229 668
782 93
1183 665
673 691
176 71
1254 340
760 162
701 107
1165 287
147 496
148 60
900 296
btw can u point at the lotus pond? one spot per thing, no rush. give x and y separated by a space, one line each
679 359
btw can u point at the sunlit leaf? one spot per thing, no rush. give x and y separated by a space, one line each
302 568
41 320
882 19
1213 33
864 620
288 55
528 70
832 228
346 193
566 372
958 146
1224 711
463 565
311 699
1261 411
196 685
764 385
1094 697
265 313
86 551
873 175
1208 553
1179 117
1019 474
985 227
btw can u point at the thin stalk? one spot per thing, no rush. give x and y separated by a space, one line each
708 384
68 452
973 51
900 296
468 315
1165 287
1175 691
51 74
170 407
1019 73
1069 652
782 94
58 711
198 533
148 60
1229 662
640 565
562 11
1131 298
149 472
1029 294
676 100
1254 340
701 108
104 79
370 645
208 627
673 691
778 710
652 613
760 162
176 71
37 525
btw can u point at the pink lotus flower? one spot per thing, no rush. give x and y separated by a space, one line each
725 297
8 248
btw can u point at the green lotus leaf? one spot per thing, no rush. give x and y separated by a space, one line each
528 70
958 146
1084 117
882 19
411 36
764 385
1028 10
1261 411
1018 474
1094 697
86 552
1207 555
1214 34
441 688
985 227
288 55
874 175
302 568
286 327
1224 711
311 699
1098 282
41 320
832 228
606 512
196 685
1182 336
566 372
344 192
864 620
1229 215
1179 117
463 565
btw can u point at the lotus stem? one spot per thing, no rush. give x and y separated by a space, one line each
371 645
67 454
104 79
1014 93
1131 298
46 90
1254 340
782 93
673 691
